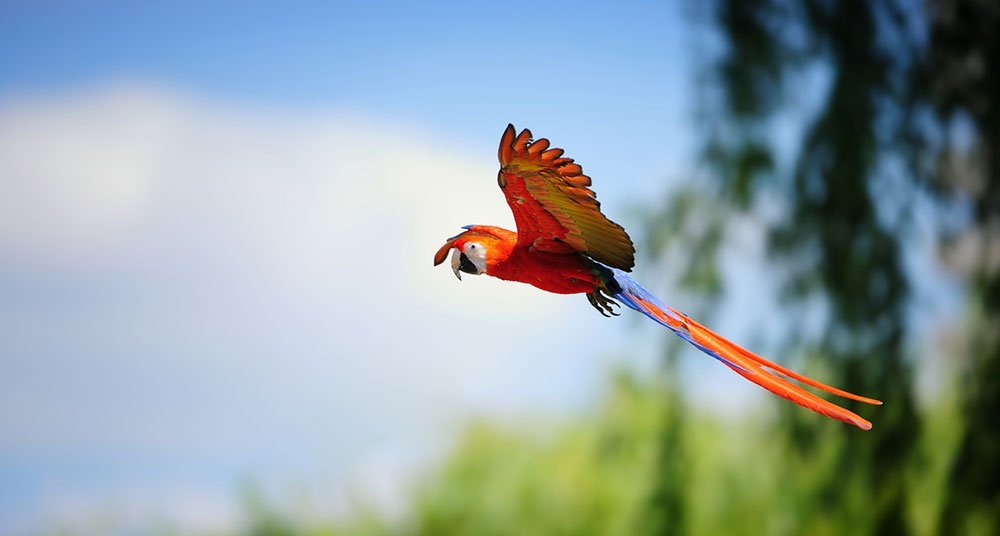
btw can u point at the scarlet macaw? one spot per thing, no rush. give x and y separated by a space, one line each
565 245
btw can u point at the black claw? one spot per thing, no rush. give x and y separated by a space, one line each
603 303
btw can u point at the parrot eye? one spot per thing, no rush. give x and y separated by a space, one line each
477 253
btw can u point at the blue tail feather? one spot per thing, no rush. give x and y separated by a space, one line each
629 292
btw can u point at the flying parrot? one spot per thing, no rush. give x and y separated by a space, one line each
565 245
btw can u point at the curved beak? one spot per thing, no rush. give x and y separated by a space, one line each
461 263
456 262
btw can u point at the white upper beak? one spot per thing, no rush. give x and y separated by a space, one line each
456 263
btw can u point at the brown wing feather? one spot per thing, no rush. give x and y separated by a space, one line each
553 207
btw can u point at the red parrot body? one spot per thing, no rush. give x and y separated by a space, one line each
552 272
565 245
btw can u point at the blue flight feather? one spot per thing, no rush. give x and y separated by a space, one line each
466 227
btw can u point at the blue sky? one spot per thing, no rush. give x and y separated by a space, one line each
216 227
460 68
216 224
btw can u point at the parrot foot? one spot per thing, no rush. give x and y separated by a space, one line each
602 302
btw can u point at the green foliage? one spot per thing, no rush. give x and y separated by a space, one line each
578 479
605 474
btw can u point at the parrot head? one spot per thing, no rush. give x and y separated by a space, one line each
471 250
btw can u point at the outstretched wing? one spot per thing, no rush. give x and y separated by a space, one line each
553 207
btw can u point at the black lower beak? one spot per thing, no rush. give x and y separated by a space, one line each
465 265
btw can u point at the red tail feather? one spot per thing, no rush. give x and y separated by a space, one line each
754 370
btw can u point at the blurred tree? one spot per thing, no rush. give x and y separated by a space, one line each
961 78
838 236
872 95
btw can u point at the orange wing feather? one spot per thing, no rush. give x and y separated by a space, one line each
553 207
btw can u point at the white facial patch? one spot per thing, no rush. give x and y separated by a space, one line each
477 254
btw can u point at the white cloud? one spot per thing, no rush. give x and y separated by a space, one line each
193 284
76 171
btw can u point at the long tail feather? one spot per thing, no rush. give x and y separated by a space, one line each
764 373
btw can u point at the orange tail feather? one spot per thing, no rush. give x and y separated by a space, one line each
754 370
764 373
